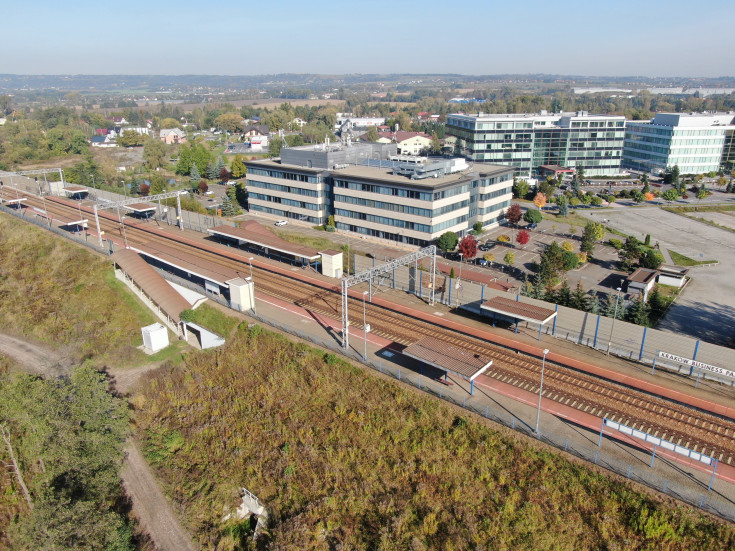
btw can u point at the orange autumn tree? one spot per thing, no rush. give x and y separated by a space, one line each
539 200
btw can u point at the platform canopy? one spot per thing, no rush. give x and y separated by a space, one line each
448 358
255 234
74 190
17 201
520 311
140 208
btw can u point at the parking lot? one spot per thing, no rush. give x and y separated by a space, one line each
705 308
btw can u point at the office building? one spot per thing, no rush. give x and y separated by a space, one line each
411 200
696 142
528 141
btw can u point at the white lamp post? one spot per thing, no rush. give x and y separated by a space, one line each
250 261
365 325
615 315
541 389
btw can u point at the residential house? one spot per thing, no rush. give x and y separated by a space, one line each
172 135
409 143
255 130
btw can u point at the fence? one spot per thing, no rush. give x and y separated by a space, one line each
460 397
624 339
682 490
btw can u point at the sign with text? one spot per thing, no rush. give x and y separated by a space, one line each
694 363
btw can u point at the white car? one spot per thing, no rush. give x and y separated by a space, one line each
281 222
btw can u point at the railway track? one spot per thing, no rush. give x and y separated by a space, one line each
700 431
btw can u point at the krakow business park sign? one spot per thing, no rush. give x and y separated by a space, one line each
694 363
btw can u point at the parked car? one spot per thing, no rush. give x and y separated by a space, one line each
281 222
452 256
533 226
486 246
481 262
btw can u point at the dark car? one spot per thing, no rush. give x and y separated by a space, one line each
452 256
481 262
486 246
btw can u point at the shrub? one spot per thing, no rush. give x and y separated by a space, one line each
331 359
503 238
329 228
617 244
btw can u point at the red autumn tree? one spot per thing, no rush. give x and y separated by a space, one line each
468 247
203 187
523 237
513 214
145 189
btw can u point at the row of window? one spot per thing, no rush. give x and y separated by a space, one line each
383 234
285 189
283 213
493 208
284 201
386 221
494 194
257 171
384 190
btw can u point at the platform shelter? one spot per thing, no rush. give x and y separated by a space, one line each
141 210
15 203
516 311
449 359
76 192
255 238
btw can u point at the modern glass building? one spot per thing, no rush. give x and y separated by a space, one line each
528 141
696 142
407 202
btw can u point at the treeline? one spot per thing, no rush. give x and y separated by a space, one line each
62 446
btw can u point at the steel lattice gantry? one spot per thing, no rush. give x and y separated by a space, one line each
134 200
369 276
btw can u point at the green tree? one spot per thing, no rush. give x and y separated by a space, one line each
671 194
651 259
274 147
509 258
154 153
702 192
194 176
579 299
184 164
656 303
564 295
227 207
638 313
238 167
130 138
436 145
570 260
372 134
593 232
447 241
521 188
229 122
613 307
75 430
533 216
550 264
563 206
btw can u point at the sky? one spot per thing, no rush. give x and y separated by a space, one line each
473 37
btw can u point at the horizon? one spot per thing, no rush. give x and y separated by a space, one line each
324 37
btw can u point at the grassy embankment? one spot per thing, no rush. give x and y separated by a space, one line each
681 260
345 459
58 293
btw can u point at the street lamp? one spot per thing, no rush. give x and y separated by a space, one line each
365 326
541 389
93 184
459 279
250 261
615 315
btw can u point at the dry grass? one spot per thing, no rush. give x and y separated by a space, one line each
60 293
345 460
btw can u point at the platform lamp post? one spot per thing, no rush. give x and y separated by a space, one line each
250 261
541 389
459 279
365 325
615 316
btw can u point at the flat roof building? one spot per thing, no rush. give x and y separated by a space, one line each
366 193
528 141
696 142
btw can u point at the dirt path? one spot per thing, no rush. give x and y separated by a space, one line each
150 506
34 357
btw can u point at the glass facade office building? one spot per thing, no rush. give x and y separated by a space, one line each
696 142
529 141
